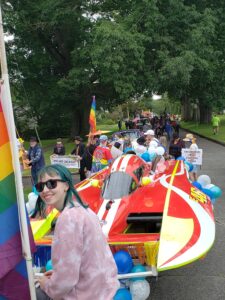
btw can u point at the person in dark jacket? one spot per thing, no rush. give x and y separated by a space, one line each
79 151
176 145
88 155
59 148
35 158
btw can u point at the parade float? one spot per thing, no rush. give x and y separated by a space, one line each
162 220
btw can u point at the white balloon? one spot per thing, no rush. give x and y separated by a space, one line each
160 150
140 289
153 144
139 149
204 180
28 208
32 199
151 150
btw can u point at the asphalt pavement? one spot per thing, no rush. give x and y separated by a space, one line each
205 278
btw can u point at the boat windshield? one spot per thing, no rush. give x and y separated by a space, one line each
118 185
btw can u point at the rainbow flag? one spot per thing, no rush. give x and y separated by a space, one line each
92 117
13 272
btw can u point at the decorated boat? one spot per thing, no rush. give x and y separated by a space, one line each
160 218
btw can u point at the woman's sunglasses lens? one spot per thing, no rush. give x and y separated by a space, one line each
51 184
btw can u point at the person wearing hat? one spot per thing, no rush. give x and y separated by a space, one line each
150 136
102 156
79 151
35 158
59 148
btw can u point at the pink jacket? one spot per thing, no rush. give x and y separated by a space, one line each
83 265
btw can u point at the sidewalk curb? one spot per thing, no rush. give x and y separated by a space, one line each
203 136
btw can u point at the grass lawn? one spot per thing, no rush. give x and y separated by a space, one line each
206 129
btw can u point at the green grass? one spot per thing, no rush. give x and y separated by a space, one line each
206 129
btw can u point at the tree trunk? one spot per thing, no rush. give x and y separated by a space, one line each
186 110
205 114
80 118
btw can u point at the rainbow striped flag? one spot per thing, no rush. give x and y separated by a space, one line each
13 272
92 117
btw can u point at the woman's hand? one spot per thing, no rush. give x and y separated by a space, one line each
44 278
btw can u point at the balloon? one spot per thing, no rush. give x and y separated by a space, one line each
197 185
152 156
208 193
160 150
208 186
181 158
151 150
136 269
217 192
122 294
32 199
140 289
49 266
213 201
153 144
139 149
204 180
123 261
189 165
145 156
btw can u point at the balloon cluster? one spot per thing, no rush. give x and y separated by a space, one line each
188 165
139 288
204 184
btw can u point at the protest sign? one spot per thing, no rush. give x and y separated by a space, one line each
71 162
193 156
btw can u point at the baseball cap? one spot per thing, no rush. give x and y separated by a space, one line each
149 132
103 137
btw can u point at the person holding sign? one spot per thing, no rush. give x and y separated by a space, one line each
59 148
194 147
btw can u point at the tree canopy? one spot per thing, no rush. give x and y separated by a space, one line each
65 51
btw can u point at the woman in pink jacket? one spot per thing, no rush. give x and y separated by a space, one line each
83 266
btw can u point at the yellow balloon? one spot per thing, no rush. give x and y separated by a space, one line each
145 181
95 183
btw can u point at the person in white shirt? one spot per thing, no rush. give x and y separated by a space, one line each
194 147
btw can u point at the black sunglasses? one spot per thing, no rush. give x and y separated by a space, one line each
51 184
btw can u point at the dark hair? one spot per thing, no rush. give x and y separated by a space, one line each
65 175
33 139
78 138
141 140
130 152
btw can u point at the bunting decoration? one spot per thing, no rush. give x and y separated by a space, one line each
92 117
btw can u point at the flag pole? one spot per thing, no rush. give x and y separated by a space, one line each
8 110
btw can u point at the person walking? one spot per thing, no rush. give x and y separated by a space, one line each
83 265
59 148
79 151
102 156
215 123
35 158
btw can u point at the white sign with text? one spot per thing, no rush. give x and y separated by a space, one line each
71 162
193 156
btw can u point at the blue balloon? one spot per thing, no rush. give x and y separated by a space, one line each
122 294
197 185
145 156
213 201
180 158
190 166
217 192
137 269
123 261
152 156
49 266
208 193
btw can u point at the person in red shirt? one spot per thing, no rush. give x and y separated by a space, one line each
102 156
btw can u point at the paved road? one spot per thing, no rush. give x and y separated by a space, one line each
203 279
